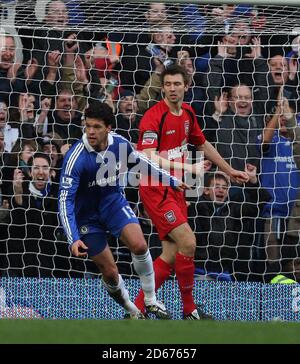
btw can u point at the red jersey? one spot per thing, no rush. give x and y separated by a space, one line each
162 130
170 134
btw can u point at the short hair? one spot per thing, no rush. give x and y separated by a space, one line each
101 111
174 70
39 155
212 176
63 90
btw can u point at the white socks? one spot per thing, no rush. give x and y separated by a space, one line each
143 266
120 294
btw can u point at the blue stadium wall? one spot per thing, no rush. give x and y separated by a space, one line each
87 299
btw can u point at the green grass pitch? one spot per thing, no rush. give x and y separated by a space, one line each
148 332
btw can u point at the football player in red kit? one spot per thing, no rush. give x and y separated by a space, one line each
165 131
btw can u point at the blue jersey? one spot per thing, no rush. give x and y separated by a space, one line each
280 176
90 180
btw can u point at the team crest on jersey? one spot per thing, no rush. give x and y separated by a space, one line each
66 182
84 230
149 138
186 127
170 216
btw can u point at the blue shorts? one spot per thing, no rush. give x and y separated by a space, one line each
114 214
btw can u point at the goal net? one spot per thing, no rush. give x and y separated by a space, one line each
242 63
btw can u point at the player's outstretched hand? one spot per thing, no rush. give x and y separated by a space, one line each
77 247
182 187
239 176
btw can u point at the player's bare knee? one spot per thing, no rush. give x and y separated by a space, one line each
188 248
139 247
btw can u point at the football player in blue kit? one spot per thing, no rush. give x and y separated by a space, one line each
91 202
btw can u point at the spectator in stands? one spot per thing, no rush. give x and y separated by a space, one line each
52 35
78 77
290 251
236 127
127 120
14 77
49 36
224 226
25 115
66 119
1 147
138 60
269 77
82 78
32 247
127 124
20 154
154 15
281 177
10 131
56 14
52 145
233 63
4 204
151 92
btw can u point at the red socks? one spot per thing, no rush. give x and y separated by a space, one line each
162 272
184 268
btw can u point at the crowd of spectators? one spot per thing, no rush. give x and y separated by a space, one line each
243 86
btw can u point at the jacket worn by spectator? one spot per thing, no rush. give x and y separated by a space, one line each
69 132
225 231
32 247
236 139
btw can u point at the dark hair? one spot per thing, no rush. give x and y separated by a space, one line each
39 155
212 176
174 70
101 111
62 89
15 155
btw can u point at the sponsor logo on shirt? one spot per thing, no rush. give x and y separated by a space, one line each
149 138
170 216
169 132
177 152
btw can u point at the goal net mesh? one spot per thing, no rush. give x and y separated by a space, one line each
243 68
